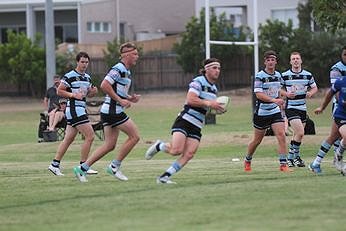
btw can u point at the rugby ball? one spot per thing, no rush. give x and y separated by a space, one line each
224 101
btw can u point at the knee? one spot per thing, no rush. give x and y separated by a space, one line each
175 151
189 155
109 147
90 138
135 138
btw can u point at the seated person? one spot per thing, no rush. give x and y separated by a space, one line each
57 115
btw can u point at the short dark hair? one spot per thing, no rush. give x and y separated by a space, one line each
270 53
82 54
207 61
127 47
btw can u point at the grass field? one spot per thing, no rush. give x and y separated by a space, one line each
213 193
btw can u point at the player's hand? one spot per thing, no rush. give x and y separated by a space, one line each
78 95
217 106
318 111
279 101
134 98
125 103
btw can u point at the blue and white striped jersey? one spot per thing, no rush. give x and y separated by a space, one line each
269 85
337 71
120 79
76 82
205 91
299 83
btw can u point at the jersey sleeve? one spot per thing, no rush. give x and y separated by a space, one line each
195 87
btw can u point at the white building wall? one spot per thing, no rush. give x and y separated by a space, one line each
264 7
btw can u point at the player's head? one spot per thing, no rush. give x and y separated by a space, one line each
270 59
82 59
128 53
296 59
82 54
211 69
270 54
210 63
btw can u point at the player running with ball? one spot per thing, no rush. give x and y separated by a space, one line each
186 130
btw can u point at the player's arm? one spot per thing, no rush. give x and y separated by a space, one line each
107 88
327 98
311 92
265 98
63 92
193 100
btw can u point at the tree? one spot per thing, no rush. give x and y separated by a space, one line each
23 63
112 54
330 14
319 49
66 61
191 49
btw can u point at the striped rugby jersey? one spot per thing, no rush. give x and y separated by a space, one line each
76 82
205 91
269 84
120 79
299 83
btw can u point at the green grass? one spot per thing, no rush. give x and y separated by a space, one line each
213 193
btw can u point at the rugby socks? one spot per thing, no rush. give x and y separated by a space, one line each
248 158
321 153
282 159
174 168
84 167
161 147
55 163
341 149
294 149
336 144
116 163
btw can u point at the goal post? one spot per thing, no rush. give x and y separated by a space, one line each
253 43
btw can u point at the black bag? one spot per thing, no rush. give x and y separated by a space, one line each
50 136
309 127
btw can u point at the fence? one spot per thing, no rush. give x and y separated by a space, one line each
162 72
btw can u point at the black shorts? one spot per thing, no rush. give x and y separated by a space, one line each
188 129
113 120
264 122
75 121
292 114
339 122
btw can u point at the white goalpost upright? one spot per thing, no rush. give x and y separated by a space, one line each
255 31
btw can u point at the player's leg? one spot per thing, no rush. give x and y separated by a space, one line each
324 148
293 157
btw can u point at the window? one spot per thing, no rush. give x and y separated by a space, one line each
284 15
99 27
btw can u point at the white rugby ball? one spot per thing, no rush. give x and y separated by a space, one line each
224 101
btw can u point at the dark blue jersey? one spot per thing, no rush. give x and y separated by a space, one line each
340 86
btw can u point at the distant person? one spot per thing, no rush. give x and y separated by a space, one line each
57 115
76 86
267 87
186 129
337 71
116 84
299 84
51 99
50 102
